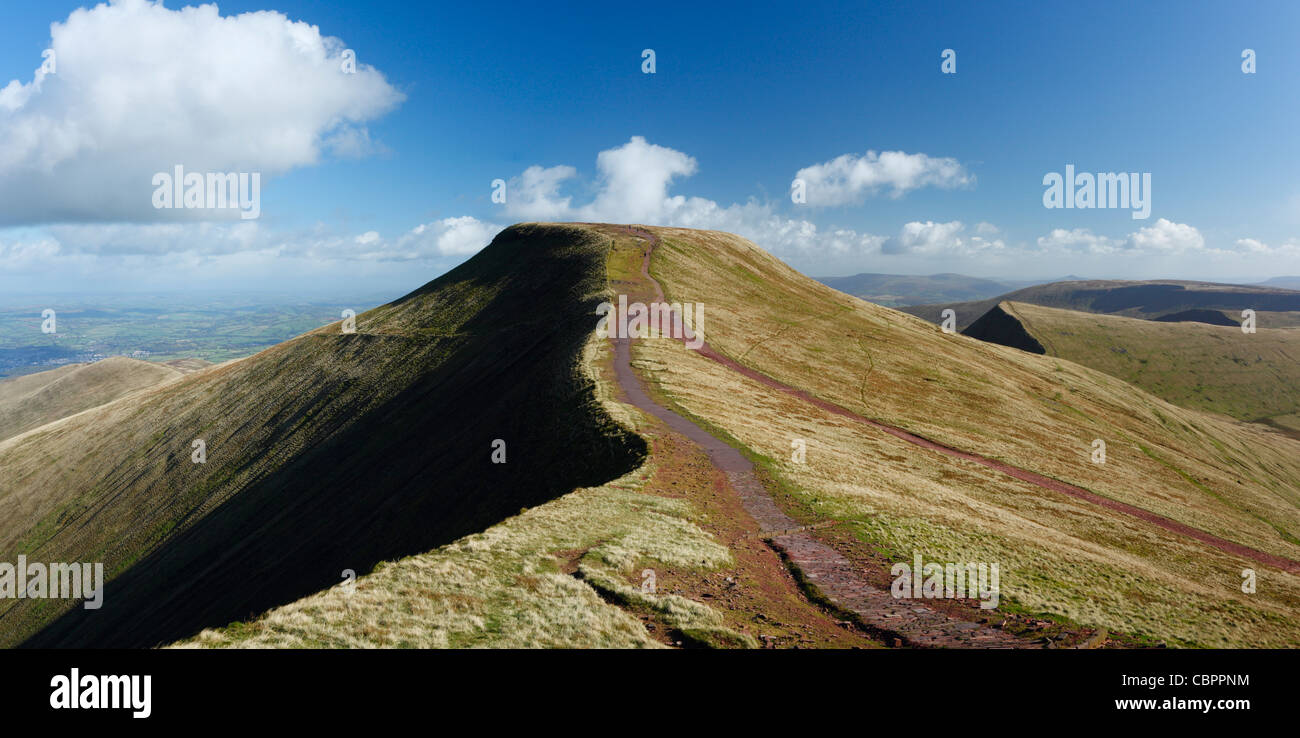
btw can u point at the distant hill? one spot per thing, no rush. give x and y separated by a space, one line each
1252 377
1286 283
1148 300
894 290
33 400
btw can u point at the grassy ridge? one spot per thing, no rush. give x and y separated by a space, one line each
1148 300
328 452
554 576
1217 368
33 400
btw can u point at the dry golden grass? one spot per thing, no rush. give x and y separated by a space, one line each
1058 555
1208 367
30 401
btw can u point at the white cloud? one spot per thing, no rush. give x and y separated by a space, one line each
1164 237
450 236
140 88
850 178
932 239
1167 237
635 179
1078 239
534 195
633 185
1290 247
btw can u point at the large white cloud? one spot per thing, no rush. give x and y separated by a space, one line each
139 88
1165 237
933 239
1078 240
850 178
634 181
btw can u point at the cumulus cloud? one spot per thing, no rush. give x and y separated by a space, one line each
633 187
635 178
534 195
1164 237
633 183
449 237
139 88
1290 247
1167 237
850 178
1078 239
932 239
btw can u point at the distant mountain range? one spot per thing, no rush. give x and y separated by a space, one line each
897 290
906 290
1286 283
1149 300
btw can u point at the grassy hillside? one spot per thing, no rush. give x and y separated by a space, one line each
1250 376
33 400
570 572
1060 556
1152 299
331 451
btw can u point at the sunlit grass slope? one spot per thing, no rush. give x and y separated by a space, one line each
33 400
1250 376
1058 555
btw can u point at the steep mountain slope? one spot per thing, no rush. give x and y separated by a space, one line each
1150 299
799 362
1003 326
33 400
1250 376
331 451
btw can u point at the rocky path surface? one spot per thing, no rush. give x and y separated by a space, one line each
905 621
1039 480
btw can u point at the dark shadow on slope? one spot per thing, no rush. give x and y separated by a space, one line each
1000 327
407 476
1212 317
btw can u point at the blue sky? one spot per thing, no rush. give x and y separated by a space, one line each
744 98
